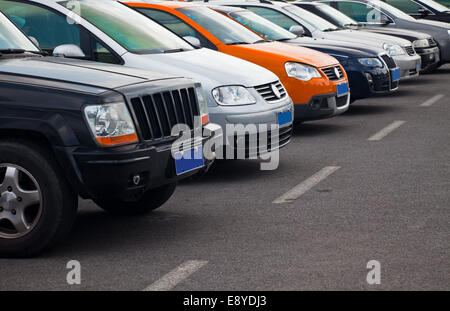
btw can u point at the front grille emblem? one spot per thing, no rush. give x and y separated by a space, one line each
276 91
336 71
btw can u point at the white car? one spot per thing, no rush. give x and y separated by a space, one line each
107 31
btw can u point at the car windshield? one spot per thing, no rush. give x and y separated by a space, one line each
133 31
437 6
12 38
342 19
262 26
392 10
220 26
310 18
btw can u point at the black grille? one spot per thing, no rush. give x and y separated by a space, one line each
252 142
431 42
330 72
266 91
389 61
410 50
157 114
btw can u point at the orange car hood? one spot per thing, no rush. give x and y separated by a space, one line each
292 53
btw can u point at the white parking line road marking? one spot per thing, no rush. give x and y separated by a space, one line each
304 186
432 100
388 129
176 276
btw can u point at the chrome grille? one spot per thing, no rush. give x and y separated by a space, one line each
267 91
331 73
158 113
409 50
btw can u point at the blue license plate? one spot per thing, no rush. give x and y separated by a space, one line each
395 75
284 117
342 89
189 160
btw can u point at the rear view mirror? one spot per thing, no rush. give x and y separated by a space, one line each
423 11
33 39
297 30
193 41
384 19
68 50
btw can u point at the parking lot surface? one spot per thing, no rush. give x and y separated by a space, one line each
372 184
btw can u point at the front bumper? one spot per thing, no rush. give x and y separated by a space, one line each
409 65
321 107
110 172
430 58
361 87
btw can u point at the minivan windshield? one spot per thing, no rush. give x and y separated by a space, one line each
133 31
262 26
220 26
310 18
11 38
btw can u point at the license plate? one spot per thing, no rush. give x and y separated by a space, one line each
395 75
342 89
284 117
418 66
437 57
189 160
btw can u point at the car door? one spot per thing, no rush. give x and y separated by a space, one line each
51 29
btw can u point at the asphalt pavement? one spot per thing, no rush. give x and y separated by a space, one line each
372 184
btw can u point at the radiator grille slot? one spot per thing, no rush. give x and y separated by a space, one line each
330 72
267 91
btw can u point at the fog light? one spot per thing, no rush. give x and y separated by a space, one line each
369 79
136 179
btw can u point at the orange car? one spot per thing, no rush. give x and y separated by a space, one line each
316 82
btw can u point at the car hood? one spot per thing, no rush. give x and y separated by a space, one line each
410 35
287 52
209 67
433 23
78 72
335 48
367 38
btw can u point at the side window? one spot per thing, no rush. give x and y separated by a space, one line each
47 27
359 11
102 54
406 6
176 25
274 16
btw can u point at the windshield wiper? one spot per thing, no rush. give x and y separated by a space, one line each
174 50
239 42
352 24
261 41
330 29
12 51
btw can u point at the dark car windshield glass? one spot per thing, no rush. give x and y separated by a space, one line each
132 30
336 15
391 10
437 6
310 18
13 38
224 29
262 26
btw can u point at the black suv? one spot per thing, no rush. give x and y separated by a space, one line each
71 128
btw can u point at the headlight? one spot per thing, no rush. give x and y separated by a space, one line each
422 43
448 32
370 62
301 71
111 124
233 95
393 49
202 103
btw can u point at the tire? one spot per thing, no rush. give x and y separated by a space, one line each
37 206
151 200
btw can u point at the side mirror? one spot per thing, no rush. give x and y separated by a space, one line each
297 30
68 50
384 19
33 39
193 41
423 11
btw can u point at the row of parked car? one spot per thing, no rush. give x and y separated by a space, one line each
95 94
